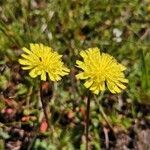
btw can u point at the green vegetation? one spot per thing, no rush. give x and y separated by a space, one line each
120 28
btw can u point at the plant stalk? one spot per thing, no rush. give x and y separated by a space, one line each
44 105
87 120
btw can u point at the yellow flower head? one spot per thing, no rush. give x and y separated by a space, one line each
42 60
100 69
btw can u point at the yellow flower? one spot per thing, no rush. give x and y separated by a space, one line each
99 70
42 60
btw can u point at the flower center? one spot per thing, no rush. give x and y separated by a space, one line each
40 58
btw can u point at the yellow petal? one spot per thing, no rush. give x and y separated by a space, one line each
83 54
27 67
51 76
96 92
102 86
32 47
58 78
66 69
81 76
88 83
80 64
94 87
28 57
24 62
43 76
123 80
62 73
54 77
116 89
111 87
121 85
26 50
122 67
33 73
